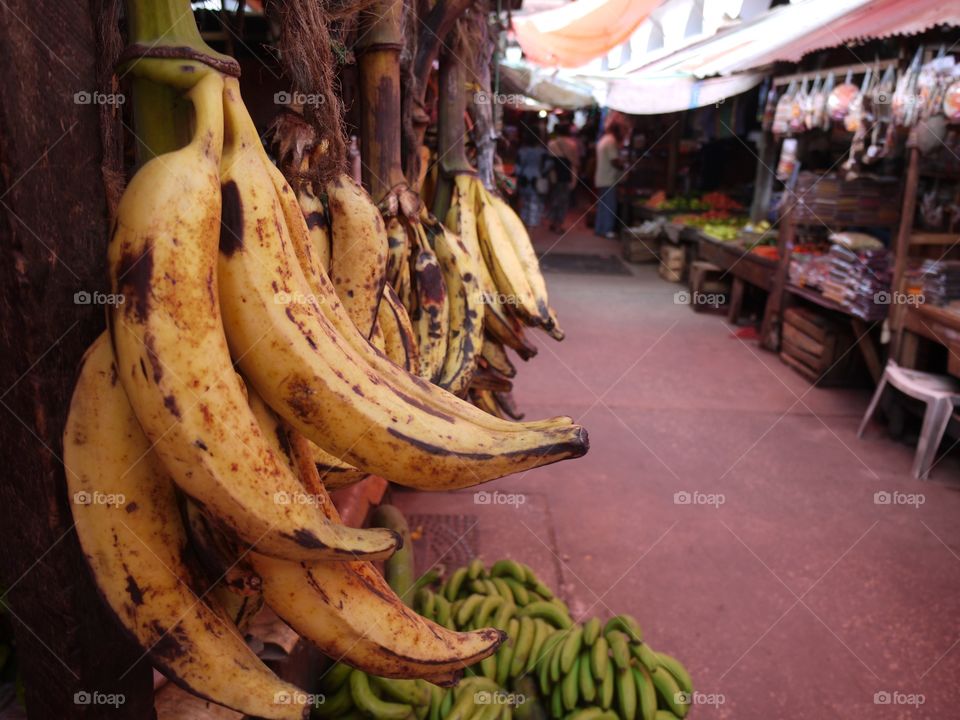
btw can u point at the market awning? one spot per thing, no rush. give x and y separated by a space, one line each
575 34
652 96
788 32
553 92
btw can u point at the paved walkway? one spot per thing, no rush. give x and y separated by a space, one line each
797 596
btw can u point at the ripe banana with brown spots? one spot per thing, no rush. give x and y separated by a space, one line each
304 358
128 522
173 358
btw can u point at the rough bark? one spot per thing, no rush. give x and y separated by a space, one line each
53 235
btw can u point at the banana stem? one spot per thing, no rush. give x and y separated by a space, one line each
380 131
165 54
452 130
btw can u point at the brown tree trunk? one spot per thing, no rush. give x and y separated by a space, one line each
452 130
53 237
483 105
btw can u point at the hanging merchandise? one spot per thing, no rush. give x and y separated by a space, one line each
857 111
951 102
881 133
798 108
811 102
905 97
787 166
769 109
818 118
782 114
839 101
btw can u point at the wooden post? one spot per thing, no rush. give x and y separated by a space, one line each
764 177
902 249
53 238
673 152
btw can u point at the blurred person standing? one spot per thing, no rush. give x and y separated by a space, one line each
609 166
532 183
565 154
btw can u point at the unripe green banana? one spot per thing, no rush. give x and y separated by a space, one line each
468 608
550 612
678 671
489 604
506 651
555 656
524 646
446 704
588 688
409 692
541 632
504 613
669 690
626 624
593 713
647 693
503 589
335 677
571 648
436 701
556 702
521 595
336 704
606 690
531 708
543 673
442 611
479 586
665 715
488 667
492 589
620 648
570 688
452 587
626 694
509 568
475 569
645 654
367 701
600 658
591 631
426 601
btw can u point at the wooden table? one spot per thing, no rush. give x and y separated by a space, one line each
936 324
747 268
861 329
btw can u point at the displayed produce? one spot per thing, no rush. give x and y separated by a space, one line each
243 367
549 666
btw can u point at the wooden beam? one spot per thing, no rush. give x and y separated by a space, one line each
53 238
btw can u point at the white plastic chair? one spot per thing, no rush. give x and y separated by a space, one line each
941 395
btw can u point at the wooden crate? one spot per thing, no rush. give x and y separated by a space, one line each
709 286
639 247
818 347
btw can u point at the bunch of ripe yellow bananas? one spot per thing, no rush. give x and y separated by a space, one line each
455 295
230 367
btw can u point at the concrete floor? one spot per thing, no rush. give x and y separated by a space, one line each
797 597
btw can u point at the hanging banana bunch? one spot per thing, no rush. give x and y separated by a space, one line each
260 358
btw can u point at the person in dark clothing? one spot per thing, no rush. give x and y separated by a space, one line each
565 155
